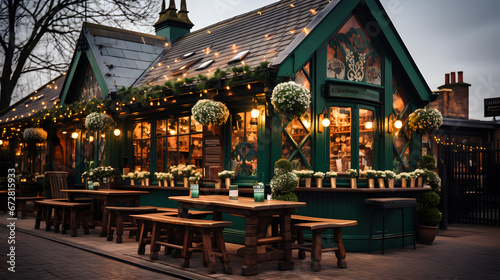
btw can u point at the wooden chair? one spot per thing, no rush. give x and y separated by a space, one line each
58 182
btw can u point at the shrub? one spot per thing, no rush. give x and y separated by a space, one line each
429 216
282 166
427 162
429 199
284 183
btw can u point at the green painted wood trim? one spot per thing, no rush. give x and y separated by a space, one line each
400 50
152 152
97 73
317 37
387 142
70 75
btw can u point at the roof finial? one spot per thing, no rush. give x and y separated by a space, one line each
162 6
172 10
183 13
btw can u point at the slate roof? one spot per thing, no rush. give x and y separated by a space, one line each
43 98
265 32
122 55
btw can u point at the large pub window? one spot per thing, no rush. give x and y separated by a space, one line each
244 144
178 141
352 136
141 146
401 138
352 56
296 136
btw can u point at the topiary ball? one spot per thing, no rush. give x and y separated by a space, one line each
282 166
429 216
429 199
284 183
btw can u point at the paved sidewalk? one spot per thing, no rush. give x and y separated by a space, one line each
462 252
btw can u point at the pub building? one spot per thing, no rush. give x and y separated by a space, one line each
346 53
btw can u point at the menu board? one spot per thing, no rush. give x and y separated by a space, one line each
213 151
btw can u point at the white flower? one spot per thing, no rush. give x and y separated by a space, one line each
36 135
207 111
291 99
319 175
98 121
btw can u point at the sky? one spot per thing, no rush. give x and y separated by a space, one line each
442 36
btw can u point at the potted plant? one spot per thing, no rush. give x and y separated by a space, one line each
307 175
371 175
188 171
319 178
427 162
210 112
98 121
390 175
404 176
353 173
284 181
413 177
419 173
429 217
291 99
424 120
227 175
34 135
333 178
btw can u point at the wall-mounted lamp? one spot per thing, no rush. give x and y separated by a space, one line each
74 135
394 123
324 120
1 142
91 138
117 132
255 113
64 130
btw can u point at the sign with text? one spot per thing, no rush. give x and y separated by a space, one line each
492 107
351 92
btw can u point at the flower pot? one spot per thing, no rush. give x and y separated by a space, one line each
319 182
142 182
165 183
426 234
381 183
132 182
228 182
218 184
412 182
333 182
371 183
159 183
403 183
420 182
354 184
146 181
308 182
390 183
172 183
186 182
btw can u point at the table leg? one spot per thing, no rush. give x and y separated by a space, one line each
105 213
340 253
250 258
286 232
316 250
155 236
182 211
143 237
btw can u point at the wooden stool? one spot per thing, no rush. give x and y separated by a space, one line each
21 205
318 226
118 220
391 203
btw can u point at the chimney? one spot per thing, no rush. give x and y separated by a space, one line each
446 78
460 76
452 81
172 25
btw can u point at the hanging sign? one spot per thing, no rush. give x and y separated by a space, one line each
351 92
492 107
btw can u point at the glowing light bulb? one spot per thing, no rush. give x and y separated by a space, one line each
325 122
255 113
74 135
398 124
369 125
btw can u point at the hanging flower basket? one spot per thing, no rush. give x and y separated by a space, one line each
35 135
98 121
291 99
425 120
212 112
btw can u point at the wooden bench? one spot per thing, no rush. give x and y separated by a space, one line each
188 227
119 220
192 214
318 226
21 202
67 214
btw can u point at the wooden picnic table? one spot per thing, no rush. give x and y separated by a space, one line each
108 197
257 216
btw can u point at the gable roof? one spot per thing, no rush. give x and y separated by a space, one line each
265 33
44 98
117 56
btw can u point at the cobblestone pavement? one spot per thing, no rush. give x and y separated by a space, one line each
461 252
38 258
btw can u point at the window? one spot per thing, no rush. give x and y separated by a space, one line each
244 144
141 146
178 141
352 136
352 56
401 137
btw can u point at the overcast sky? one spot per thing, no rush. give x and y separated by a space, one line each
442 36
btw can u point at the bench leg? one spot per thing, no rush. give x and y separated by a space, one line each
340 253
110 223
73 222
119 228
65 220
143 238
208 250
39 215
155 236
300 241
187 243
48 216
221 246
316 250
57 219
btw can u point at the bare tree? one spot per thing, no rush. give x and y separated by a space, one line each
38 36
